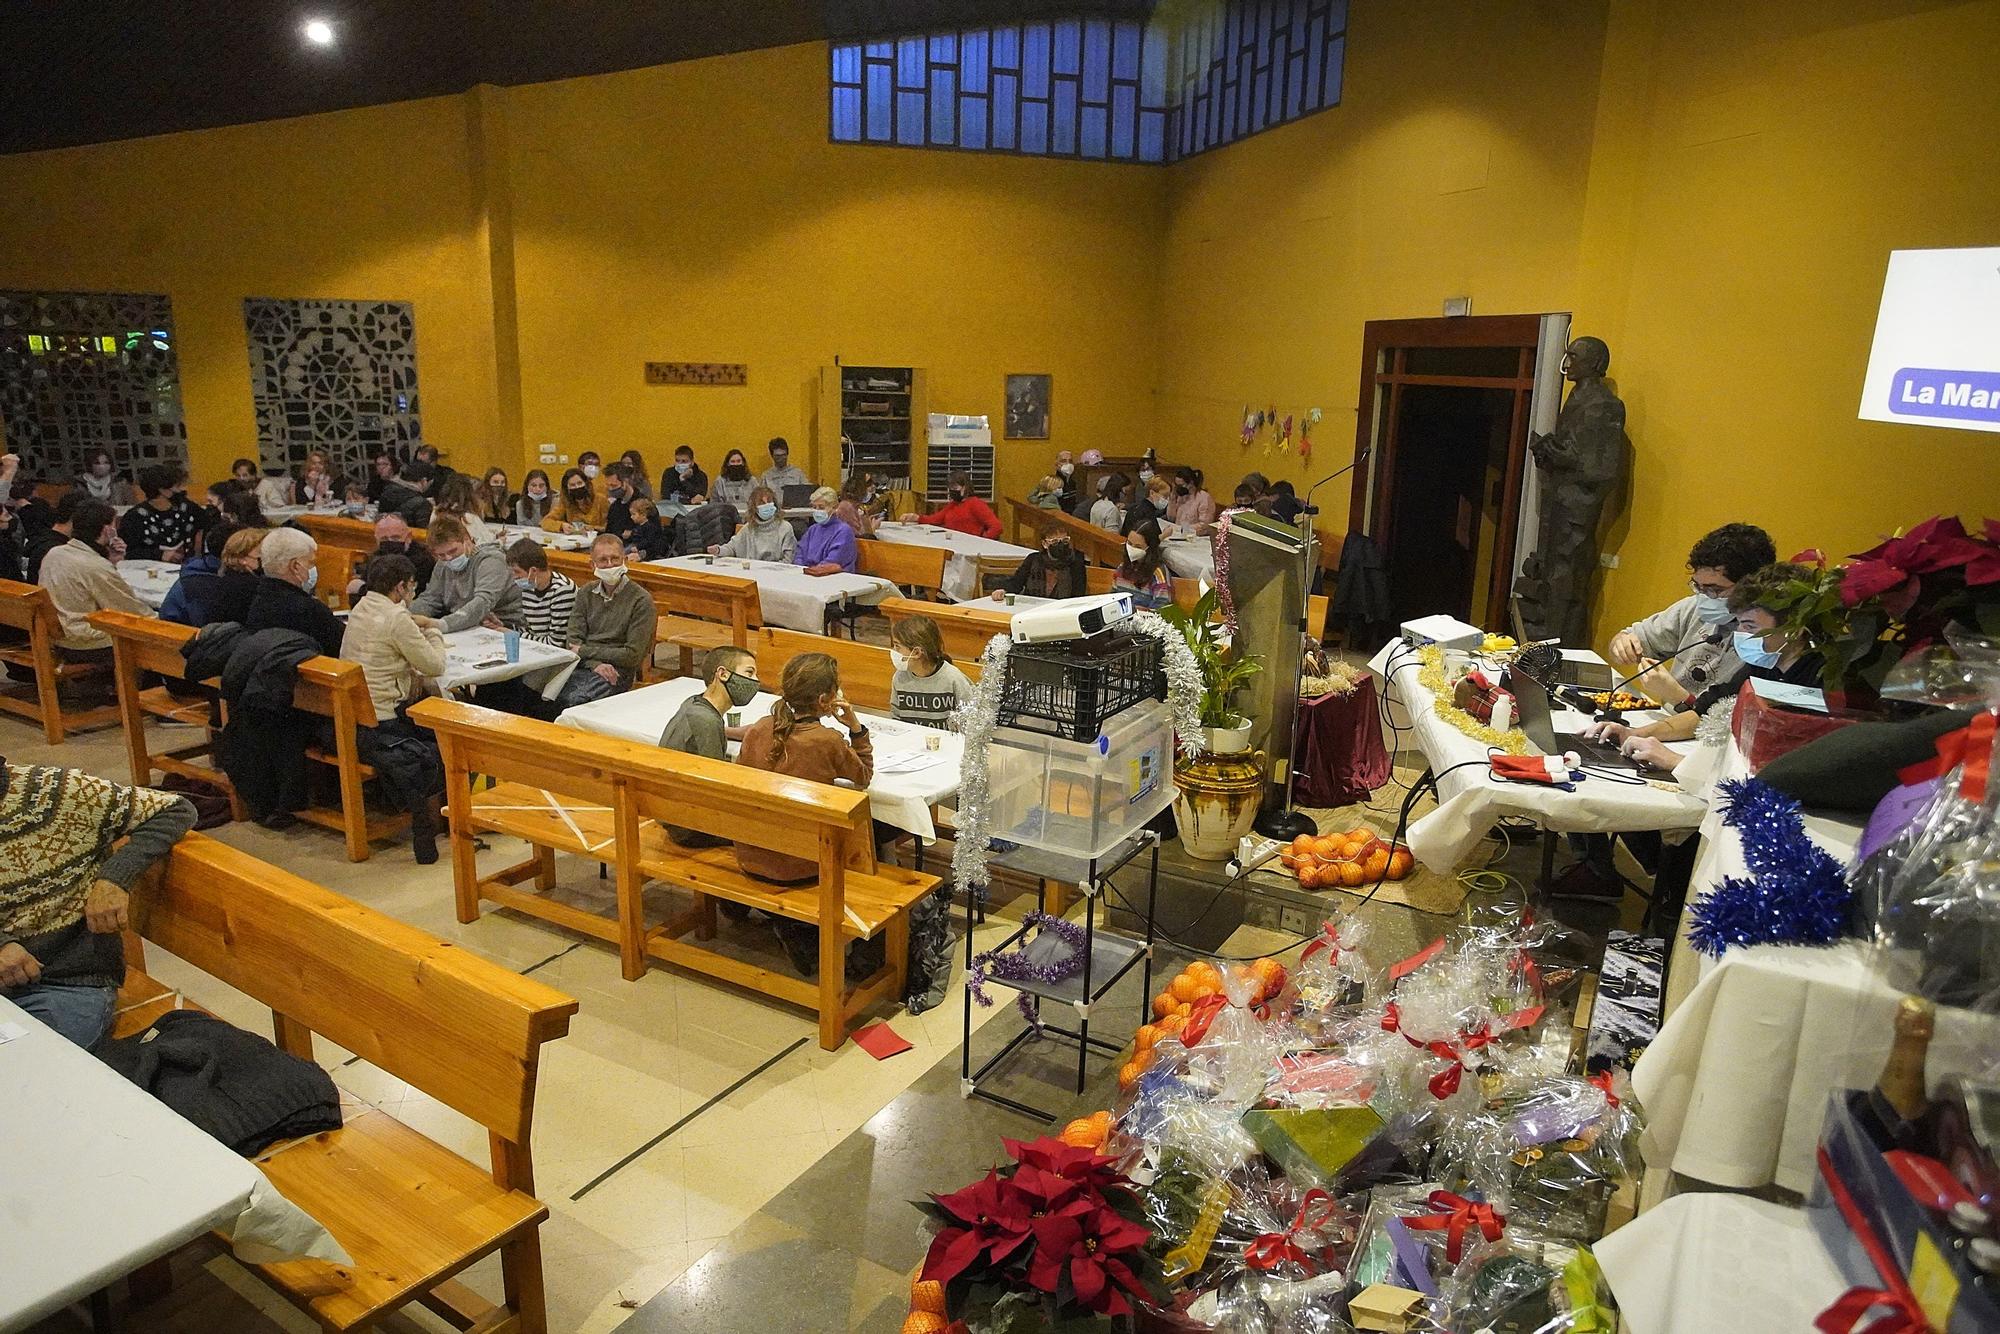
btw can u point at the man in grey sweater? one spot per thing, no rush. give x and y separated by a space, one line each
470 585
610 626
1699 623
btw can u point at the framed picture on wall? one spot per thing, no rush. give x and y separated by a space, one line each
1027 407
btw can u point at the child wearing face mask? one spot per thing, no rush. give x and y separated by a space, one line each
963 511
1143 573
1048 493
535 500
767 535
927 688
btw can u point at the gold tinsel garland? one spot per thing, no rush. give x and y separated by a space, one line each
1431 677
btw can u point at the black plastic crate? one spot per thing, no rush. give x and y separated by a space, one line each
1068 688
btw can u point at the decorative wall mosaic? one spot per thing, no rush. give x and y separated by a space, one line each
338 376
81 371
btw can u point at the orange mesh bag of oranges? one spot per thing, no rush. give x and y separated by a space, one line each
1348 860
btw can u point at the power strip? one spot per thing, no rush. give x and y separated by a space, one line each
1252 851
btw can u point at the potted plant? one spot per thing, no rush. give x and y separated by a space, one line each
1224 672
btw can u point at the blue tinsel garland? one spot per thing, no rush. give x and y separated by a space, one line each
1795 894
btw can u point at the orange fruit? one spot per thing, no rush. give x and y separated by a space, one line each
926 1322
1128 1075
1163 1005
1147 1035
1185 988
1309 877
1350 850
1102 1120
1401 863
926 1295
1081 1134
1377 865
1288 861
1302 845
1361 832
1184 1011
1327 846
1171 1025
1204 971
1353 875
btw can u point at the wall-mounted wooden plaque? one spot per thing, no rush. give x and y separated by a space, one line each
697 372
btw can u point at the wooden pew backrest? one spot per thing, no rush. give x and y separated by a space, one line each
903 564
464 1030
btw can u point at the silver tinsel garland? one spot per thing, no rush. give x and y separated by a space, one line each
981 715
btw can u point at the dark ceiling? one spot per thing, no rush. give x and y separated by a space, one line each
87 71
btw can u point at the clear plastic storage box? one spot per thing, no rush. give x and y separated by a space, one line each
1082 797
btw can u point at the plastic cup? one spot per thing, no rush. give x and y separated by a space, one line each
934 742
512 639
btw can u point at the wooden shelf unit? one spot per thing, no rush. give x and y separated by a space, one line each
883 442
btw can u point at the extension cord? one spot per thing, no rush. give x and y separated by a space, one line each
1252 851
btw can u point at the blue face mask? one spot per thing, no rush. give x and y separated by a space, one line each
821 516
312 579
767 511
459 562
683 468
525 585
1751 648
1711 610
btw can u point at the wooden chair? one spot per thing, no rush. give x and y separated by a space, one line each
463 1031
28 611
598 797
141 644
964 627
904 565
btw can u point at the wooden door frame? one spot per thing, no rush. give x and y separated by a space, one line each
1522 332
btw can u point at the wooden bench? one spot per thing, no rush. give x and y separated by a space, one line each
1029 521
964 627
598 797
903 564
330 687
466 1032
866 673
28 611
698 609
1100 546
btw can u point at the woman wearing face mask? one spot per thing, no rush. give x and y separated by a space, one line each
963 512
641 485
767 535
589 464
1191 507
1151 507
314 487
98 483
579 509
459 497
1143 573
496 502
829 546
853 509
927 688
1765 651
1698 624
1056 571
535 500
734 483
1048 493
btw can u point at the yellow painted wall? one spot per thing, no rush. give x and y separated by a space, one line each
697 212
1782 151
1455 165
368 204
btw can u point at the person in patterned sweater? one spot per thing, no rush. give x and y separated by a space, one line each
63 888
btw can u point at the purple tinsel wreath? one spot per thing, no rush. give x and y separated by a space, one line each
1015 966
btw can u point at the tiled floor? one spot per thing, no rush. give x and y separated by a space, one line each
705 1163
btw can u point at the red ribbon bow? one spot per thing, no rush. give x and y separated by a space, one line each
1905 1315
1972 746
1602 1079
1327 939
1275 1248
1460 1214
1446 1081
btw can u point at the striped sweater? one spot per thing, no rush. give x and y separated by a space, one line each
545 615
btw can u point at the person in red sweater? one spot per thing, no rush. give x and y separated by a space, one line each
964 512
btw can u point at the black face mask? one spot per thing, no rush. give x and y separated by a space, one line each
957 494
1184 489
1059 552
392 548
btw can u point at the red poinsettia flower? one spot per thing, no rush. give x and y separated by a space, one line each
1935 544
1088 1245
995 1217
1985 567
1065 1160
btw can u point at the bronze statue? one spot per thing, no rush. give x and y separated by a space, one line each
1578 464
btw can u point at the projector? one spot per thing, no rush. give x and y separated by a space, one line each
1070 618
1444 631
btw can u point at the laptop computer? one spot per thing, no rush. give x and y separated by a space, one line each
1531 703
797 497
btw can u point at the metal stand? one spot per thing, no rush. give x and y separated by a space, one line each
1106 959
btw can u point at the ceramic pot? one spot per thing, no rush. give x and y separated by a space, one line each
1218 802
1225 740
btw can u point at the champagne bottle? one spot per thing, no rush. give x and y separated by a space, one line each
1902 1081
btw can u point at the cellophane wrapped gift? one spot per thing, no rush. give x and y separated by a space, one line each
1525 1283
1292 1276
1548 1159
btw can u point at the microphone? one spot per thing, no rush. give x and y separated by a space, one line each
1309 507
1713 636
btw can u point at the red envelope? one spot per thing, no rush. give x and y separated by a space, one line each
880 1041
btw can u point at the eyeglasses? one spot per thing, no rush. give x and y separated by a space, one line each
1710 590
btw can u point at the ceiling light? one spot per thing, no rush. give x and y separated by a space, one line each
318 31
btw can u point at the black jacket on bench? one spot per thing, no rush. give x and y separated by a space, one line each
237 1086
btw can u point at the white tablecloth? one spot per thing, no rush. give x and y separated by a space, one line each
98 1177
150 579
510 533
1708 1262
479 656
1190 557
961 572
1736 1084
1471 800
902 799
787 594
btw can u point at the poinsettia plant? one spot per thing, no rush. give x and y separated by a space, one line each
1053 1241
1892 600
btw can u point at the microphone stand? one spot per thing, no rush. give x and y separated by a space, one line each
1284 823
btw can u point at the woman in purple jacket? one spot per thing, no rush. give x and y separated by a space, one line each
828 546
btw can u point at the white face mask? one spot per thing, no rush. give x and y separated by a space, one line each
610 575
590 470
1134 553
899 661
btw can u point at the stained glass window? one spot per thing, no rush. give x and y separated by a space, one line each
67 387
1117 90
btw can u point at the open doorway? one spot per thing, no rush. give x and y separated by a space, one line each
1445 408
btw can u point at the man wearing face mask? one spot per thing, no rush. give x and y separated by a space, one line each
284 599
684 483
610 625
589 464
82 577
963 512
392 538
470 583
1056 571
1716 563
698 728
766 536
781 473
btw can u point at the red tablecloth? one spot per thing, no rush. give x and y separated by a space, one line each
1338 748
